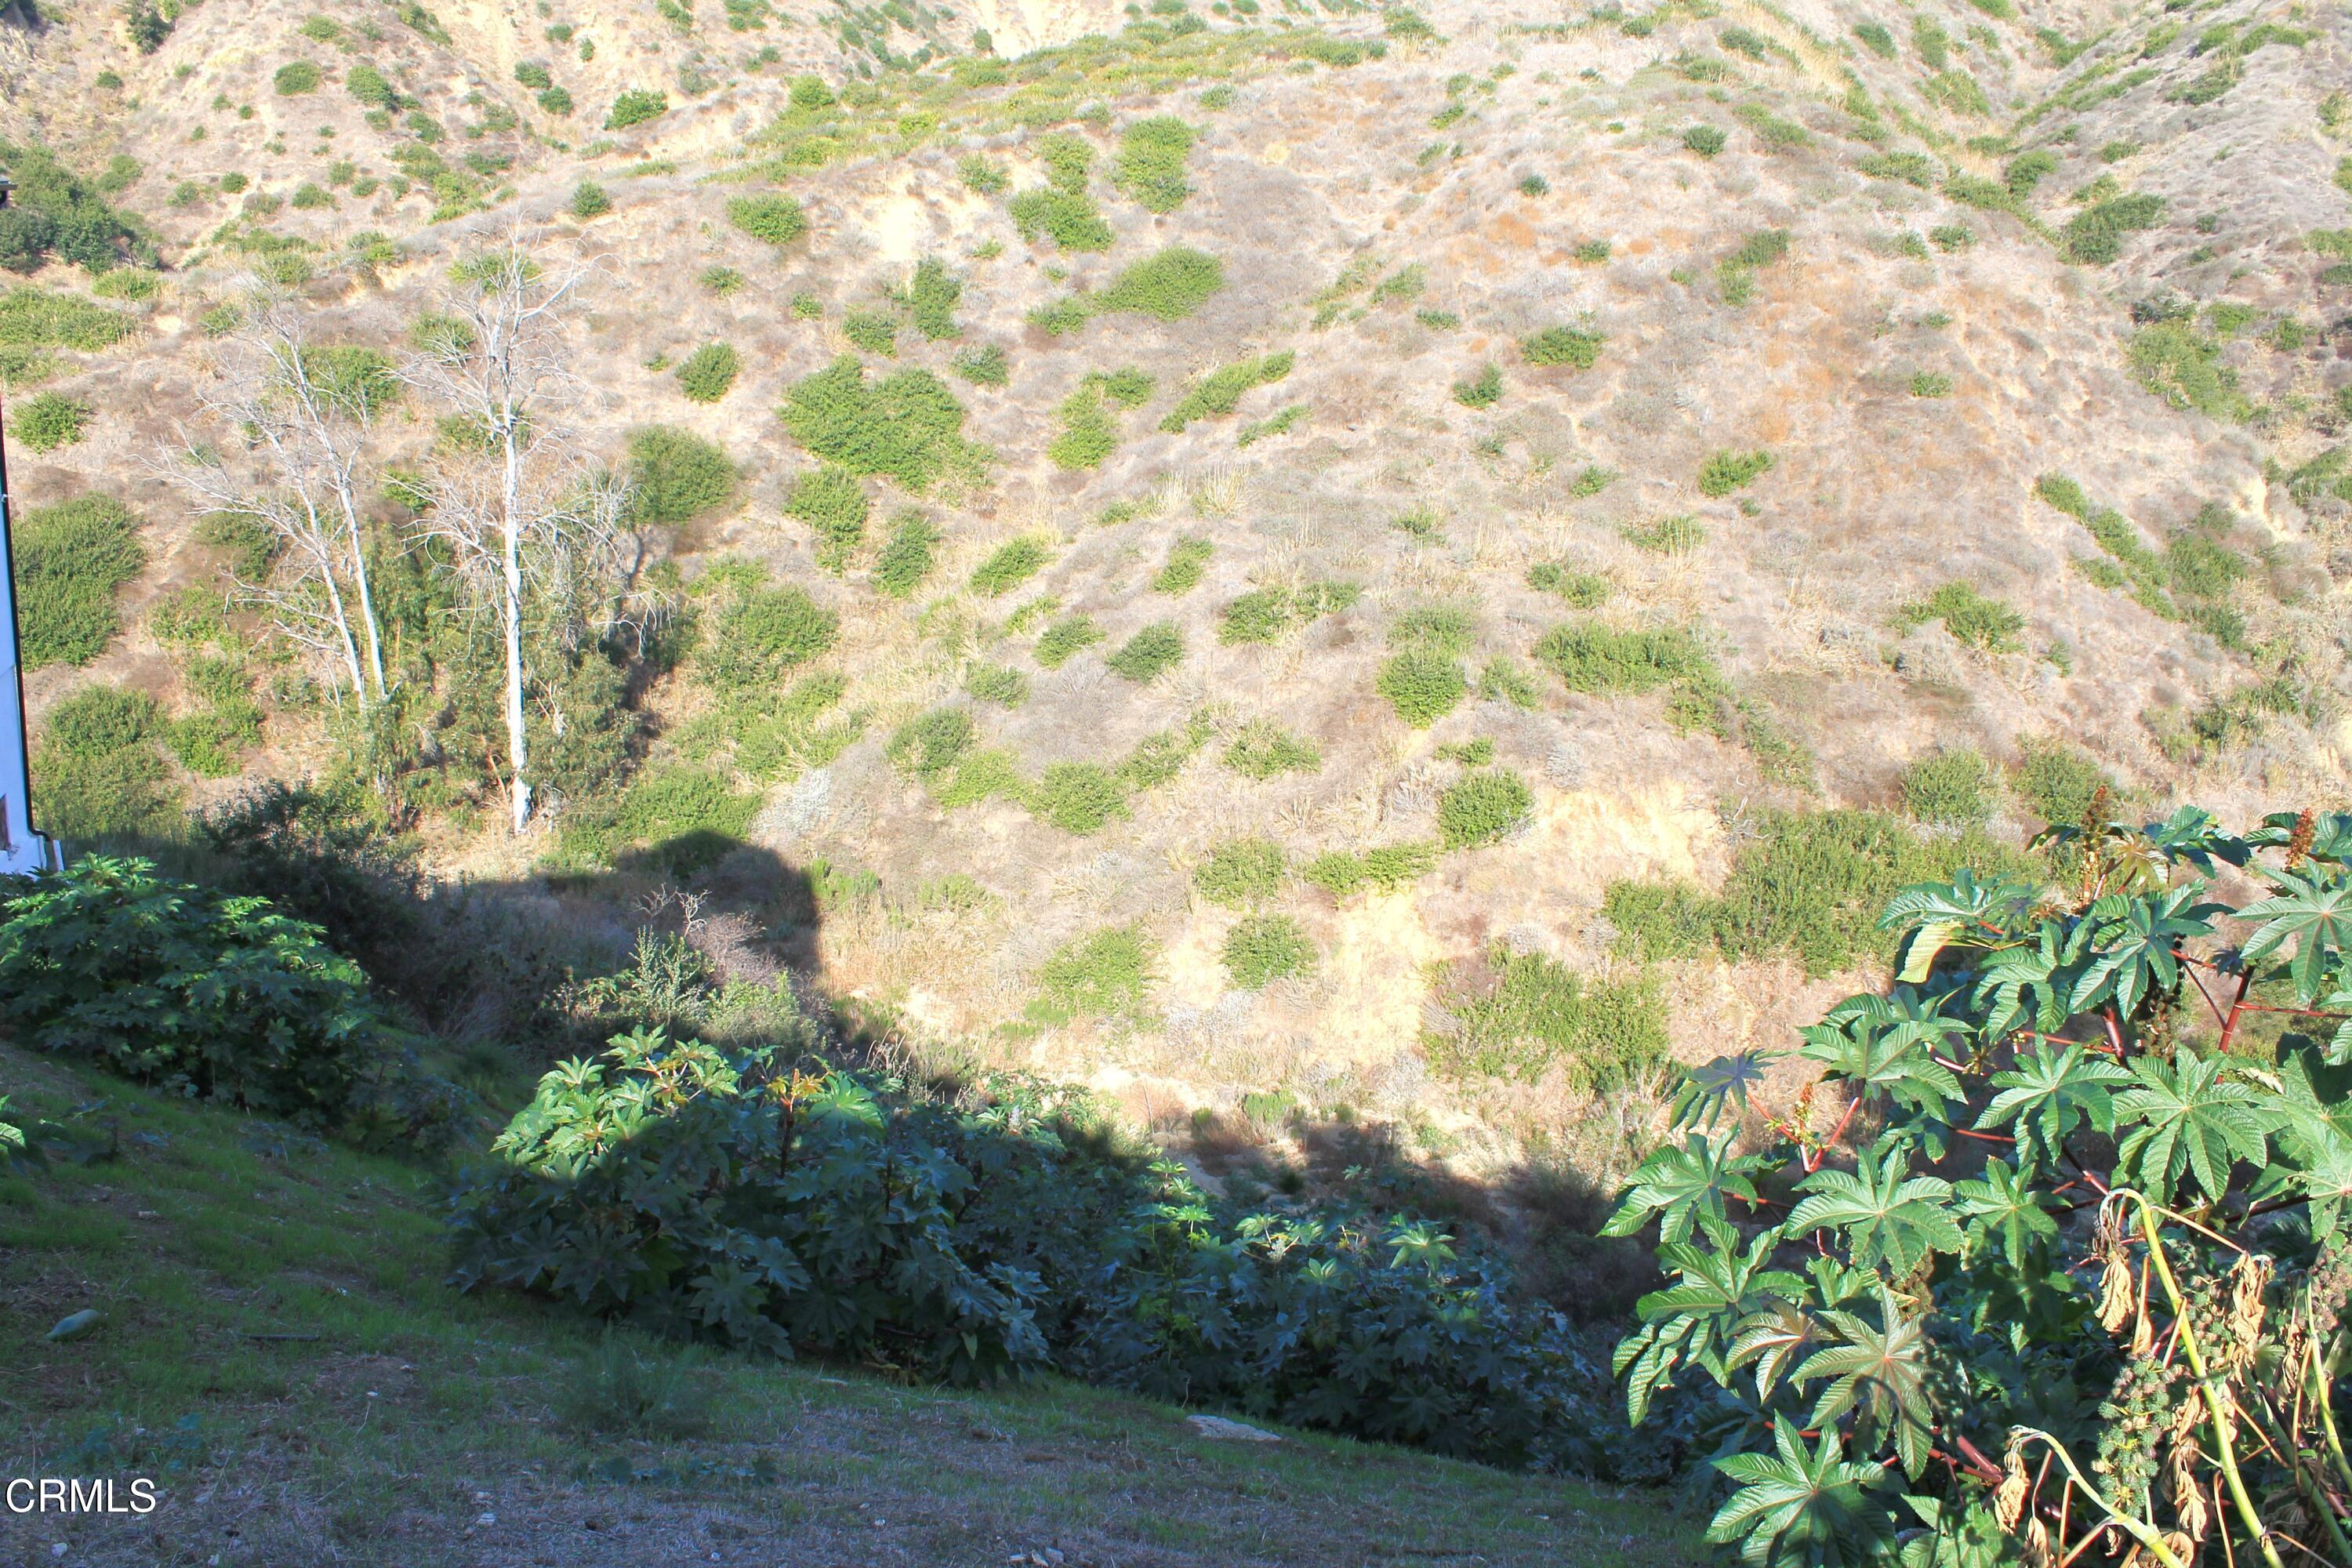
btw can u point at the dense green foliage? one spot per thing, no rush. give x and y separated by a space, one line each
833 504
676 475
635 107
908 426
220 997
1150 166
71 558
1150 653
2069 1233
736 1198
99 771
1523 1014
55 212
1809 887
1219 391
1482 809
706 374
49 420
1009 565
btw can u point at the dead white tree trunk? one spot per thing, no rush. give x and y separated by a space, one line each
306 414
521 510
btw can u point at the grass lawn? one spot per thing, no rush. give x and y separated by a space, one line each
277 1353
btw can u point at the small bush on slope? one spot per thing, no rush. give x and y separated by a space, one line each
71 558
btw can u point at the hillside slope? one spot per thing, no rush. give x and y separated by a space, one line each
278 1354
1789 314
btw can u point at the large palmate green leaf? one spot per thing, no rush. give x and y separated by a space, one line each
2183 1117
2315 912
2050 1089
1696 1320
1710 1088
2005 1211
1878 1369
1882 1213
1886 1045
2030 976
2133 943
1937 915
2331 834
1800 1508
1681 1182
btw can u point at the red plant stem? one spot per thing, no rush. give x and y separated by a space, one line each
1814 1159
1988 1137
2237 1006
1974 1461
2114 1030
2216 1006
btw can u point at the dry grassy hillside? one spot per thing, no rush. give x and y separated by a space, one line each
1369 733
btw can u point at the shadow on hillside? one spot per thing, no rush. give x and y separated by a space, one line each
532 968
706 935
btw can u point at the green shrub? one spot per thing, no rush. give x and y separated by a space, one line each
618 1390
1950 788
1724 472
1424 684
1589 656
1974 620
833 504
998 683
555 100
1220 392
533 75
2058 782
1150 166
930 743
1188 562
708 372
1103 975
1528 1013
1087 436
38 318
1150 653
367 84
672 819
296 77
216 996
906 560
47 421
1264 615
676 475
929 299
1341 872
875 332
1581 590
982 366
908 426
1911 168
1482 808
1930 383
1263 748
1677 536
760 635
1706 141
1168 286
2181 365
99 773
1563 345
1263 948
1065 638
1079 797
1009 565
770 216
1072 222
635 107
1810 887
2094 235
1240 872
987 178
71 558
1484 391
